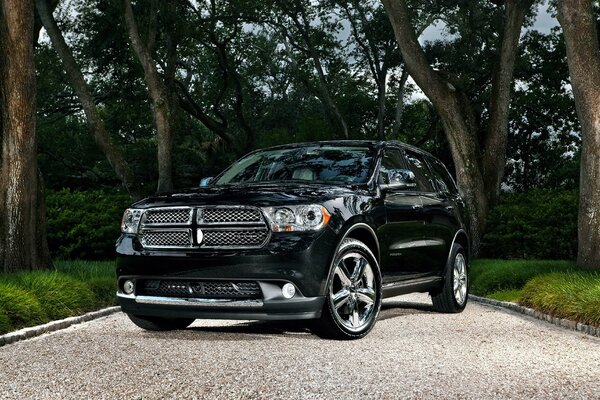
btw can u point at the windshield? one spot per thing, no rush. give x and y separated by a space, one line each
311 164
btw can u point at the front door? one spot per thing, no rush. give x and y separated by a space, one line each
403 231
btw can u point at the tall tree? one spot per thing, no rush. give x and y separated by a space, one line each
295 22
95 123
159 96
23 243
577 20
478 150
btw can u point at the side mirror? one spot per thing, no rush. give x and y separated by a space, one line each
400 179
206 181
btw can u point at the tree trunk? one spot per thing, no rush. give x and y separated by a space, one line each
496 139
577 20
455 111
23 244
399 105
95 123
160 103
381 92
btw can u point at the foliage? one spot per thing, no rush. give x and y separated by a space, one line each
574 296
489 276
59 294
557 288
73 288
18 307
84 224
537 224
544 136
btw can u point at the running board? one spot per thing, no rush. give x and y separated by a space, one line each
413 285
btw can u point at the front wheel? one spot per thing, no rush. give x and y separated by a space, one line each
160 324
454 294
353 297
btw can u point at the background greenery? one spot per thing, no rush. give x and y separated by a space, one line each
553 287
72 288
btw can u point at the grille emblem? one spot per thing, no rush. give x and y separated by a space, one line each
199 236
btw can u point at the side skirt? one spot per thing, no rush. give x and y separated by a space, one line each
410 286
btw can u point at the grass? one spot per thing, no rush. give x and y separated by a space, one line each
512 295
490 276
574 296
557 288
71 288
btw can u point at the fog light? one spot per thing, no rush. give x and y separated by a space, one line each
288 290
128 287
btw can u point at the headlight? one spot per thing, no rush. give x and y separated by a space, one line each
297 218
131 220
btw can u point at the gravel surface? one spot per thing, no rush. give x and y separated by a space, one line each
413 352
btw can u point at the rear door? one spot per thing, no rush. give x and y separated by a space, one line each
439 214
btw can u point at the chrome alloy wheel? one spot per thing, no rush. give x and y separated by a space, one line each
353 292
460 279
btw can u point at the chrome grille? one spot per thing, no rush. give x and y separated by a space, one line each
199 289
232 227
168 216
172 238
222 227
235 237
229 215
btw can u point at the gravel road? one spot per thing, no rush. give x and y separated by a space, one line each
483 353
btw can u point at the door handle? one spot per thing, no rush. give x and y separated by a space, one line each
449 208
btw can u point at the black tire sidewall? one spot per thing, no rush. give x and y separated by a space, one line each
347 246
457 248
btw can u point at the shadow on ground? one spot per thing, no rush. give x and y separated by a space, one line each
260 330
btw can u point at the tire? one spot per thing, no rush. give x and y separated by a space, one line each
160 324
451 298
353 294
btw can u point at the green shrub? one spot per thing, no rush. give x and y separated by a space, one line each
21 307
104 290
489 276
5 324
538 224
84 224
73 288
59 295
574 296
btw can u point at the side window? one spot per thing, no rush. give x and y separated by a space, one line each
417 164
442 177
392 159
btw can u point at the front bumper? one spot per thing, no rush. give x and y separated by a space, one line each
254 309
302 259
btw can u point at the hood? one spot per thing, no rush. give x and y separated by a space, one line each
252 195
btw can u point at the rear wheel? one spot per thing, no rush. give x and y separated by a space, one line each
353 297
454 294
160 324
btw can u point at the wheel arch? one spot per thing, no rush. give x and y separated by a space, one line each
366 234
461 237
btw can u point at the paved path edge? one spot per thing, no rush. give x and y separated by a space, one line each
33 331
564 323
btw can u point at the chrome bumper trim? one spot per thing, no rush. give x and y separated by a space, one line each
192 302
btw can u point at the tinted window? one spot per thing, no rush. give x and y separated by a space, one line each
417 164
392 159
442 177
310 163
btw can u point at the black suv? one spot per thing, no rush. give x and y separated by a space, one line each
315 231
